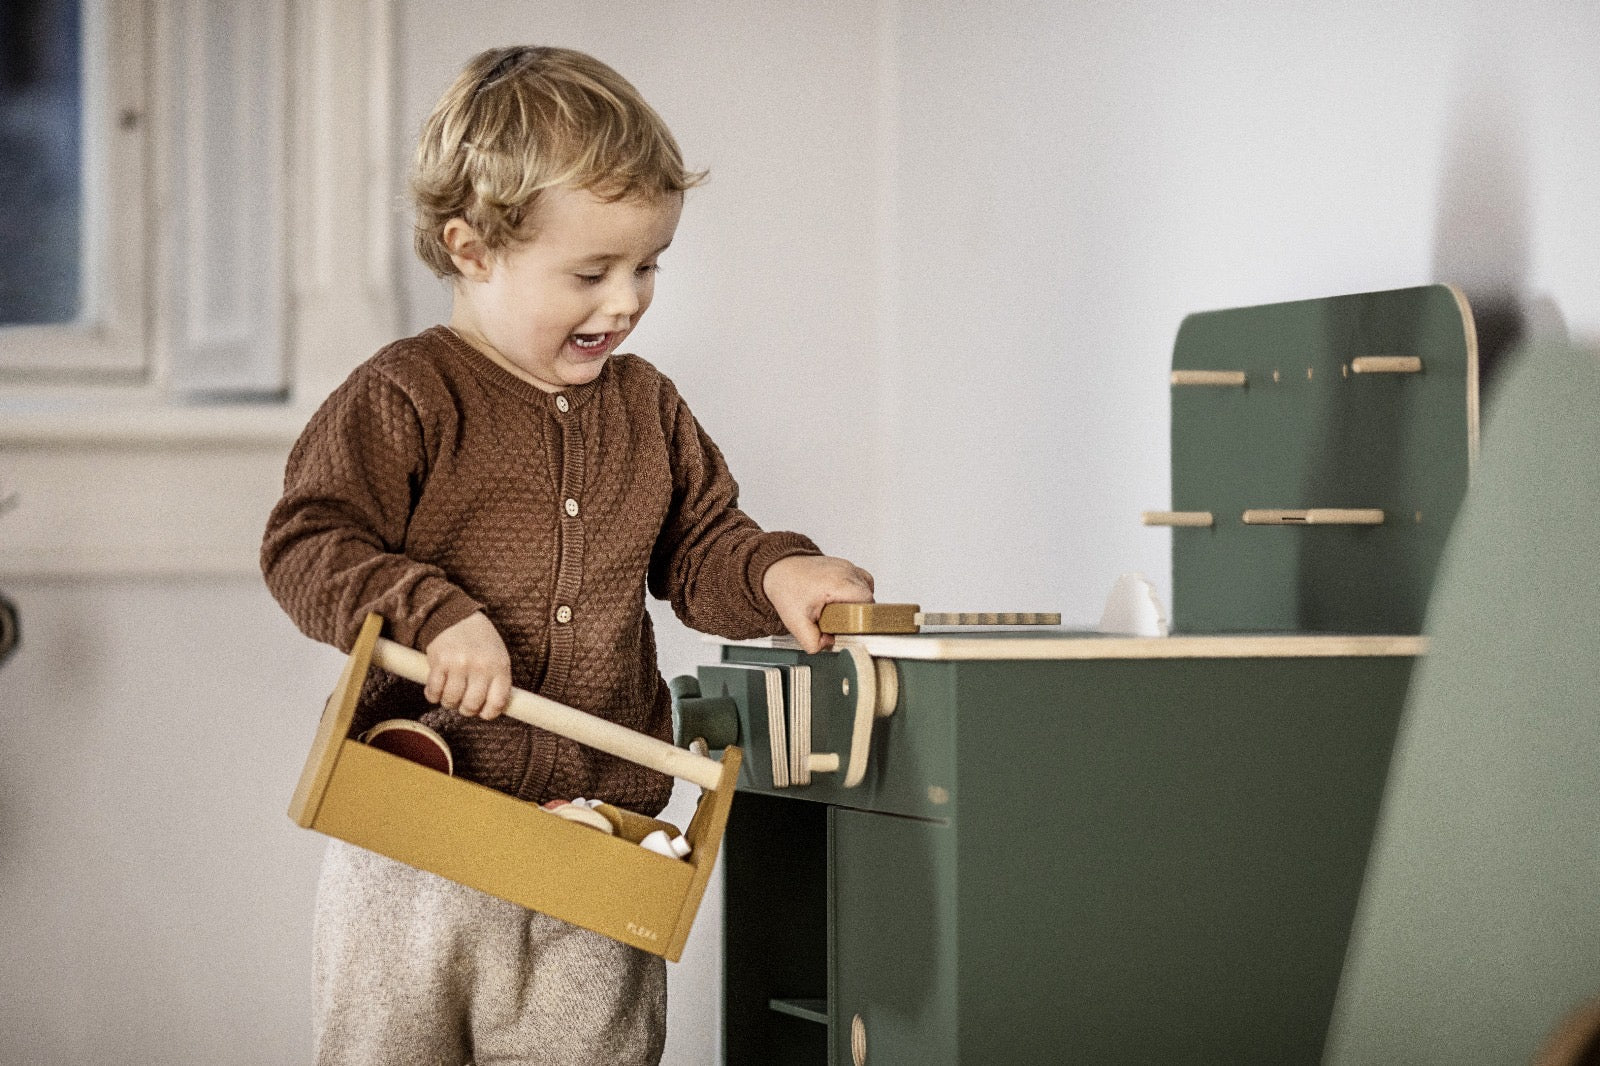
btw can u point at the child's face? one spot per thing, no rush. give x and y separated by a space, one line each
553 308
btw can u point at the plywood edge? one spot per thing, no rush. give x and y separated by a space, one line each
1085 647
1469 328
705 836
334 726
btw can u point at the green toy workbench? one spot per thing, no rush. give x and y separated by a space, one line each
1044 846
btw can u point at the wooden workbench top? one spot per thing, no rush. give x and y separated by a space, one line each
1057 643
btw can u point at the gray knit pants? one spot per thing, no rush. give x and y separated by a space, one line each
414 970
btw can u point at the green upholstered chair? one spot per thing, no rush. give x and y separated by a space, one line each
1479 923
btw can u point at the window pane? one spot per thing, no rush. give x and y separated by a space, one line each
41 214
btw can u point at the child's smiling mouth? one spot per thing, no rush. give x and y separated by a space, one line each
591 343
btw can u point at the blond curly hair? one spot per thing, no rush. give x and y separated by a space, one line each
521 120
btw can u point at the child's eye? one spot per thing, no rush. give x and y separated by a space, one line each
648 269
591 279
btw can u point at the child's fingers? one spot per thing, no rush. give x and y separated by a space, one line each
803 628
454 687
472 698
848 585
497 696
468 668
858 582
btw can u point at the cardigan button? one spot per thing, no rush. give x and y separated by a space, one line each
562 405
563 614
571 507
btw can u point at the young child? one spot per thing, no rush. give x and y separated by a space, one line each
503 490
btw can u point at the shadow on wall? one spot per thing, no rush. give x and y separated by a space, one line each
1481 237
10 631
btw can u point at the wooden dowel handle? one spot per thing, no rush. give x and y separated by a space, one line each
1386 364
1193 519
1226 378
571 723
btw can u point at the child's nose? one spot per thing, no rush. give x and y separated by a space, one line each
622 300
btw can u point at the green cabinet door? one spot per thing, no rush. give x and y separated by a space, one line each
892 935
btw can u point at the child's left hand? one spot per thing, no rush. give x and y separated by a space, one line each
799 586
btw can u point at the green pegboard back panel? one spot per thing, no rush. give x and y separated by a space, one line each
1306 431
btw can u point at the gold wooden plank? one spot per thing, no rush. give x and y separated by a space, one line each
497 844
869 618
705 837
334 726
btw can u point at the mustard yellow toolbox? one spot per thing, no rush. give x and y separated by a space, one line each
506 847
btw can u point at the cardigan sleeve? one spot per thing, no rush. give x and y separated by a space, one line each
711 557
334 544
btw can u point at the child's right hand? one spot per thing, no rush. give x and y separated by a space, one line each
469 669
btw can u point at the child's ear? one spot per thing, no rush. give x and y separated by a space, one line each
466 248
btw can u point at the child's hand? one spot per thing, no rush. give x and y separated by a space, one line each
469 669
799 586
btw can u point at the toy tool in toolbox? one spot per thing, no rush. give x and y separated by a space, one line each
503 846
1033 844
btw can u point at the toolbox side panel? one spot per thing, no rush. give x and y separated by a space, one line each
503 846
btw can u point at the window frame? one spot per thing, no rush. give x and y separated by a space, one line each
121 474
330 196
109 341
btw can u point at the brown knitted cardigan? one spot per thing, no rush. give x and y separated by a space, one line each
434 483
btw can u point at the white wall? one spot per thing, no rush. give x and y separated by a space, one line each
925 305
154 898
1071 179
